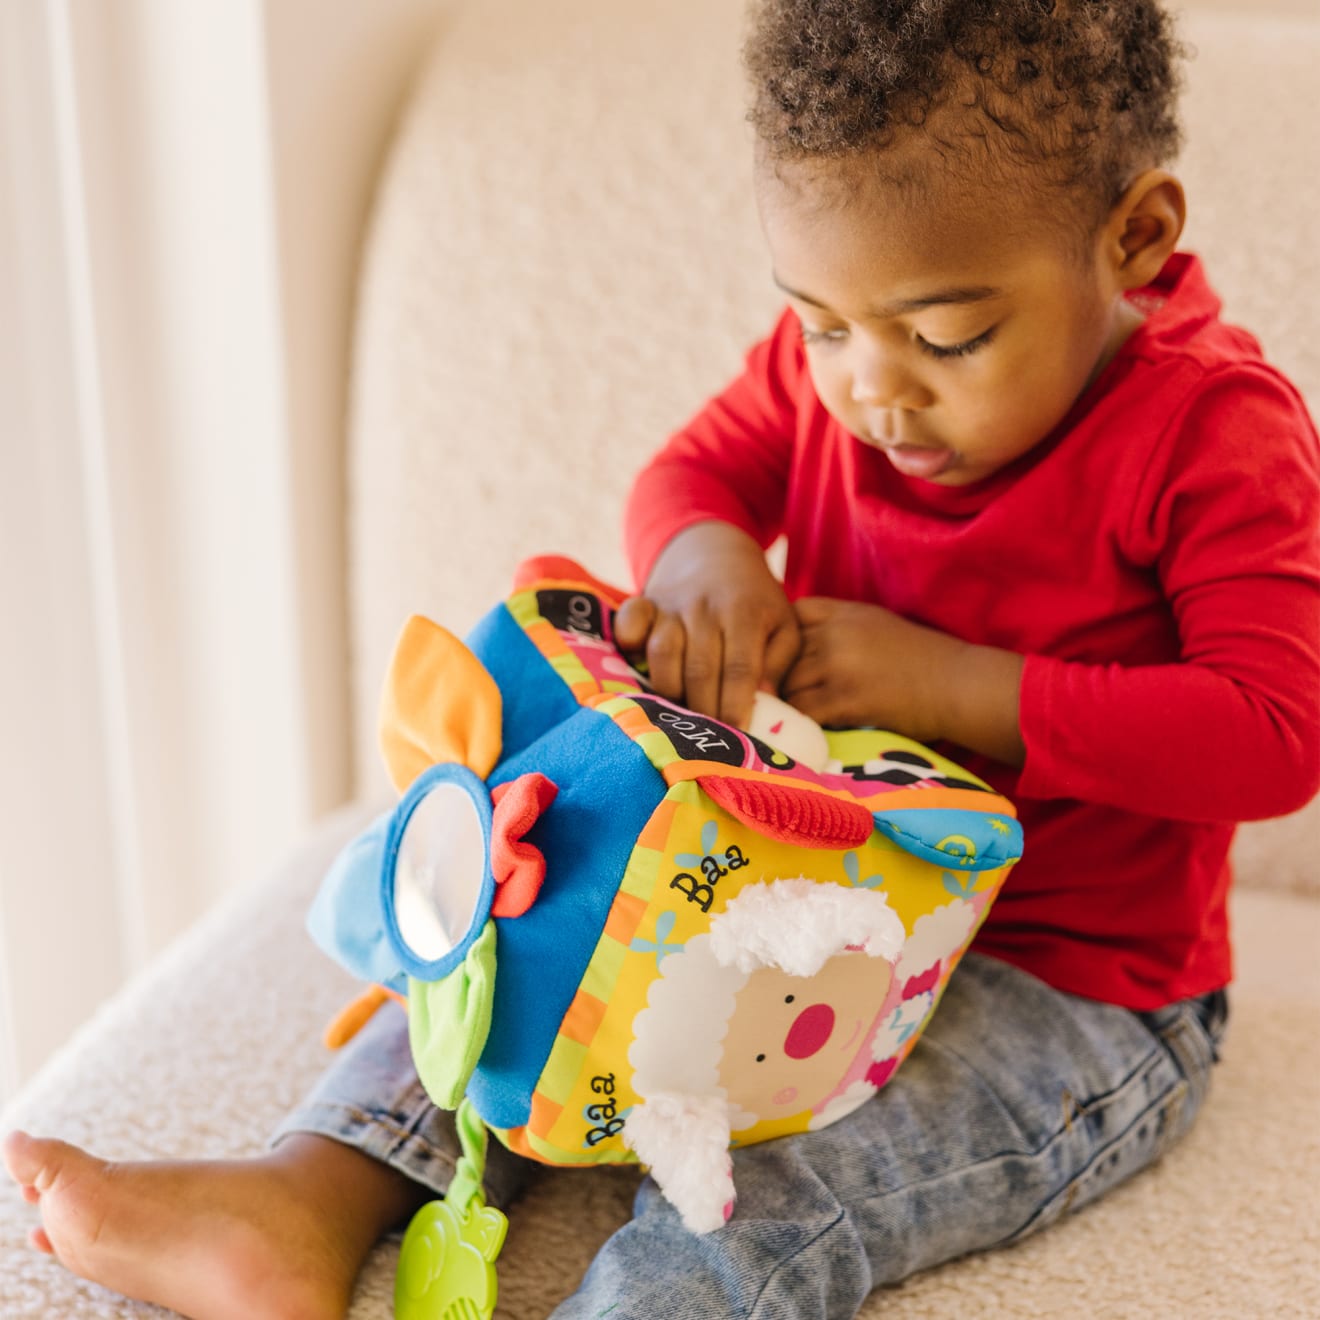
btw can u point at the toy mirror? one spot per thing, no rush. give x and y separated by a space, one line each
437 887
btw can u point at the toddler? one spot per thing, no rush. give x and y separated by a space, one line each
1041 508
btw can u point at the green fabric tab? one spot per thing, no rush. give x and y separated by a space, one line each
449 1020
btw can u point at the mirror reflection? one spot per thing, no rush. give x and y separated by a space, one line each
440 872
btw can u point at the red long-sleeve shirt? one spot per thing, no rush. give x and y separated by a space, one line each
1156 559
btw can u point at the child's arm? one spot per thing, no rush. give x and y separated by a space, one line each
714 622
1229 729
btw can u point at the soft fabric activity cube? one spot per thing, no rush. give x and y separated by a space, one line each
625 931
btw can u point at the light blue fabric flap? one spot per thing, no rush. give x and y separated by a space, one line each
345 919
965 840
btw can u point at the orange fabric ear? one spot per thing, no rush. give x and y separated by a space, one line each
439 704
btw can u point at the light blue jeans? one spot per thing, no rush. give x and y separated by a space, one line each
1018 1105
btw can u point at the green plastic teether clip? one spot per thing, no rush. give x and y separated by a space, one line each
447 1260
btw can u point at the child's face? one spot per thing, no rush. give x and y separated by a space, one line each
950 328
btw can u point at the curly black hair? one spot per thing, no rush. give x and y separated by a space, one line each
1083 92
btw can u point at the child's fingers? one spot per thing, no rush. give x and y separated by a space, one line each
811 609
740 677
754 660
802 683
633 622
782 648
813 702
666 647
703 666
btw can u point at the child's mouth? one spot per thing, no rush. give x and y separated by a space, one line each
922 461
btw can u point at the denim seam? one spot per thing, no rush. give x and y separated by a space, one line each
1189 1045
404 1135
1060 1134
1098 1104
1095 1104
1168 1102
788 1260
362 1121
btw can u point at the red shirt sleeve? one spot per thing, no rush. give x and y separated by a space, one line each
731 462
1230 518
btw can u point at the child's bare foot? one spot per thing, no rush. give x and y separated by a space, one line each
281 1236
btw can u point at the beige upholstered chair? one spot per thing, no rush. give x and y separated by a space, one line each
564 262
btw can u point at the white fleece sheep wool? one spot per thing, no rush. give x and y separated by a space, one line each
678 1038
684 1139
798 925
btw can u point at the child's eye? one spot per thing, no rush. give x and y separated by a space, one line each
835 336
957 350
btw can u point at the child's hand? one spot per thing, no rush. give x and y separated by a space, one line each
864 665
714 623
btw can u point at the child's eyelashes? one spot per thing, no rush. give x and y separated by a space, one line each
810 336
838 335
957 350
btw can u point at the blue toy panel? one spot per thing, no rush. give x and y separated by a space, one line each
535 699
605 799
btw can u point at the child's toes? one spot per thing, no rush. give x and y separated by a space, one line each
22 1158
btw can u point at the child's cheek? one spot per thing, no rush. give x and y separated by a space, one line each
831 382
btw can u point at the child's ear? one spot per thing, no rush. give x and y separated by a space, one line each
1144 227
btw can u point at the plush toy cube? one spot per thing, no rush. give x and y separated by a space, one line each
625 931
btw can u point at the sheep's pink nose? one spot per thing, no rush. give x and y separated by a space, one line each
809 1032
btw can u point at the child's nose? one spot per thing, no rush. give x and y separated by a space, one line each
809 1032
879 381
